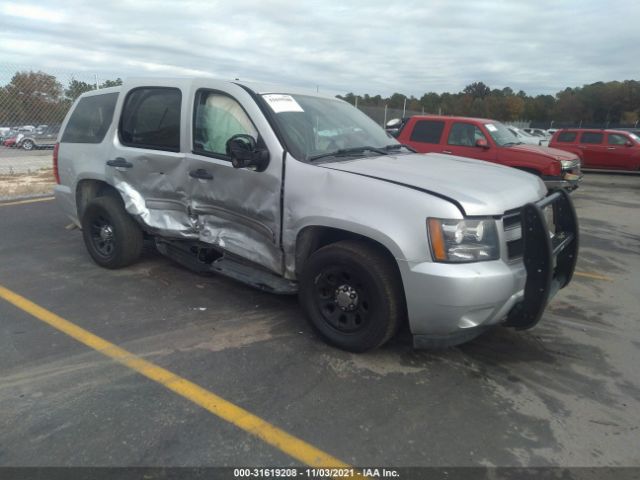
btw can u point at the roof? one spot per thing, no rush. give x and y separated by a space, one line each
474 119
189 82
594 130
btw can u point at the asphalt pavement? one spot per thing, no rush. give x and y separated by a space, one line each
566 393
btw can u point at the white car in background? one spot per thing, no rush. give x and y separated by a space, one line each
527 138
538 132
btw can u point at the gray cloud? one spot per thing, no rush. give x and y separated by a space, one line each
361 46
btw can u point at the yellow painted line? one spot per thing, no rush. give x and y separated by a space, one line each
241 418
595 276
31 200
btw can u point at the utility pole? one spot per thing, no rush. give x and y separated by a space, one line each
404 107
384 124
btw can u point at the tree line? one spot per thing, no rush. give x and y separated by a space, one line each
605 103
37 98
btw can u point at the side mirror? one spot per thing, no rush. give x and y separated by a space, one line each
482 143
394 123
244 152
628 143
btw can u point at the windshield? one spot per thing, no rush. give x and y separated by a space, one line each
524 134
635 137
316 126
501 134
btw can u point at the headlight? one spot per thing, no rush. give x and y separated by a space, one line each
463 240
567 164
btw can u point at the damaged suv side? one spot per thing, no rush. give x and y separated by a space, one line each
293 192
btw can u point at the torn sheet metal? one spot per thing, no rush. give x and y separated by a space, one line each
225 214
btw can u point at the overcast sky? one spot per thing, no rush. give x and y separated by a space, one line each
341 46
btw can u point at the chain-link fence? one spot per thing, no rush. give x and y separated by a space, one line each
33 103
382 115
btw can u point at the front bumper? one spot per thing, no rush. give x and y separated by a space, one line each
568 181
456 300
443 298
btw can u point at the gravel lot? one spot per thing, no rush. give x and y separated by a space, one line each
16 160
566 393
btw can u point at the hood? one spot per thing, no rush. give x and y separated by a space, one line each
476 186
551 153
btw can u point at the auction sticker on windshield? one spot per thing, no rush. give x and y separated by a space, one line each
491 127
282 103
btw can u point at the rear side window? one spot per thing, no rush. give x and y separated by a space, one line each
591 137
151 119
91 119
567 137
427 131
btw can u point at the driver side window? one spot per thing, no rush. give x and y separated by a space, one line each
464 135
217 118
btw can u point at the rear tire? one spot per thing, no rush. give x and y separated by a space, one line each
111 235
352 295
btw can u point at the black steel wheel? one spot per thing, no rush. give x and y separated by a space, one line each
342 298
352 294
112 237
101 233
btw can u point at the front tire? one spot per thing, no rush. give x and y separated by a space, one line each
28 145
352 295
112 237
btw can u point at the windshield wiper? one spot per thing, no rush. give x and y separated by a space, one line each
398 146
511 144
345 152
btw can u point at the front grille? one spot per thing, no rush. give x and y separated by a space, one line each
511 224
512 227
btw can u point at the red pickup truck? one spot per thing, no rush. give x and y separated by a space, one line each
489 140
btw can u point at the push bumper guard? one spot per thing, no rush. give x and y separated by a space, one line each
548 259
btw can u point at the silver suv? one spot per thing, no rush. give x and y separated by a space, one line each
296 192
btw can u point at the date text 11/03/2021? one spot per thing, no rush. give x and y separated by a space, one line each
315 473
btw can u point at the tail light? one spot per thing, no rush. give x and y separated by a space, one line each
56 173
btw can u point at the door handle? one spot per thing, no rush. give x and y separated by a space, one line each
611 148
201 174
447 151
119 163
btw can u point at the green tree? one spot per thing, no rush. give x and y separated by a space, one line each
77 88
111 83
477 90
32 98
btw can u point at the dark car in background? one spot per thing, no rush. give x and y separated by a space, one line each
600 149
41 138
